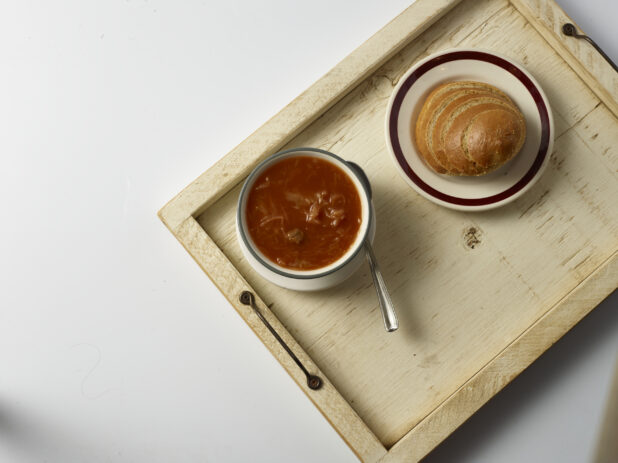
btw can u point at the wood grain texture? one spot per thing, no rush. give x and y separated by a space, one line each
335 409
507 365
479 295
303 110
548 18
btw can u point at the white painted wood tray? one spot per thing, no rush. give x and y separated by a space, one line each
479 295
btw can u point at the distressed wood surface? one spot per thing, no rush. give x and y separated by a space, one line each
332 405
479 295
548 18
507 365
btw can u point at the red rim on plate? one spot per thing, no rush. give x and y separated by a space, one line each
507 66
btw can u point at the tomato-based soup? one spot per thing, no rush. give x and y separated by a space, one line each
303 213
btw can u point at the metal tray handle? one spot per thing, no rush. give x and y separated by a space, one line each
570 30
314 382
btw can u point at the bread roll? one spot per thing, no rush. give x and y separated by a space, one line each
468 128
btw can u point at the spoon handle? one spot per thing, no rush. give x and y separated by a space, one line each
388 310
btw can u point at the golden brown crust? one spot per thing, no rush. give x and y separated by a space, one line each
442 122
493 137
468 128
435 103
456 144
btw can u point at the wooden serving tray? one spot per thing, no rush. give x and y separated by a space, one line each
479 295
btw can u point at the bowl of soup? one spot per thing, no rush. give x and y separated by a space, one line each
303 216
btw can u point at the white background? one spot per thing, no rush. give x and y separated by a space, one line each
114 346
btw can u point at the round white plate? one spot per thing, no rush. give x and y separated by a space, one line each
470 193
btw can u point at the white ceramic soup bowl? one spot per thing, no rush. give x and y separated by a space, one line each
323 277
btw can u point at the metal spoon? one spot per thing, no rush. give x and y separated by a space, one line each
388 309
